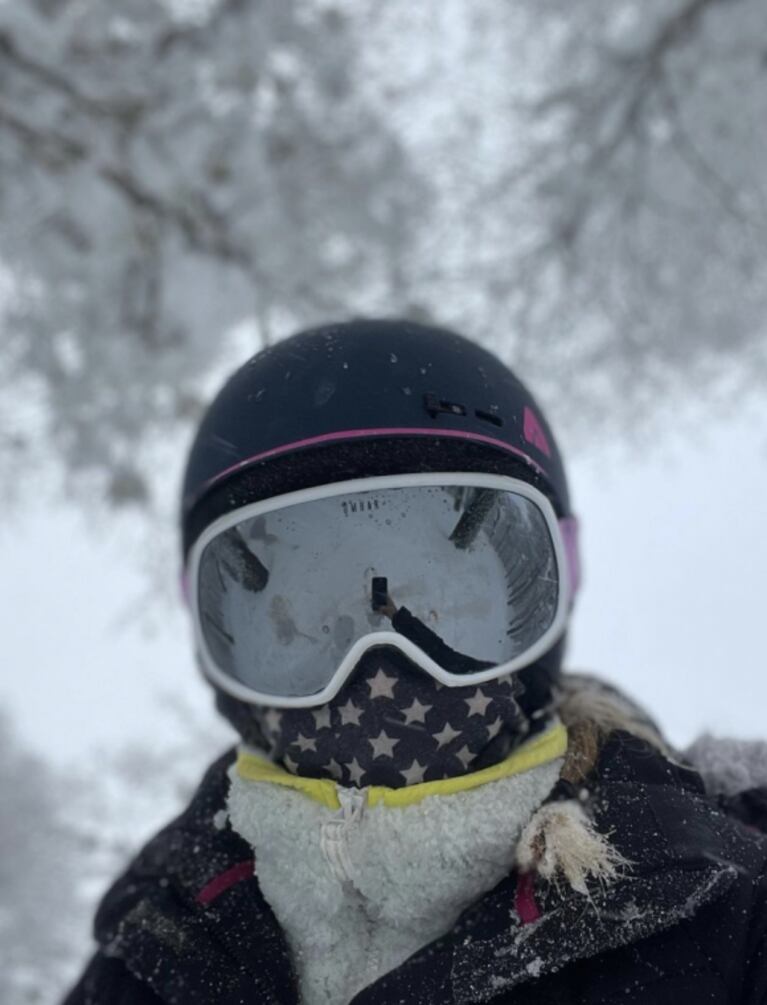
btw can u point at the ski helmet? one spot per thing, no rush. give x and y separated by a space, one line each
365 406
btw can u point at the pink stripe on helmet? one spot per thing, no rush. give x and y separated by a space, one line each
532 430
347 434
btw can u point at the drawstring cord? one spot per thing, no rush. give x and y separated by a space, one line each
334 844
334 833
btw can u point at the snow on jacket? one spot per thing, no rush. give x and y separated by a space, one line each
685 921
360 879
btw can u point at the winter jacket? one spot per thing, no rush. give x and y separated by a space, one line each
685 923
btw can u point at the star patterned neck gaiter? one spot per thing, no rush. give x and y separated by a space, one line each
394 725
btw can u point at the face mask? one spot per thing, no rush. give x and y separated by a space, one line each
392 725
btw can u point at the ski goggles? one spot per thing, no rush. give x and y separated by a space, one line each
466 574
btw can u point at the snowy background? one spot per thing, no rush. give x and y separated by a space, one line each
579 187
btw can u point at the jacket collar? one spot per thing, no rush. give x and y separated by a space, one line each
682 859
654 812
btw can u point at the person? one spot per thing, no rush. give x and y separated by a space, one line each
381 561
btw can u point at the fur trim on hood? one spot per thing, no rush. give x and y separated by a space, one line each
560 843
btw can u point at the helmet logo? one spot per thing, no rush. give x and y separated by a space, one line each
434 406
533 432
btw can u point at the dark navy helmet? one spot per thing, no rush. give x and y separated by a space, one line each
365 398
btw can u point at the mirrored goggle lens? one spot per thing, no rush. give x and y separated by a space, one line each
284 595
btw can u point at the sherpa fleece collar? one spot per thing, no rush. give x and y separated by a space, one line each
361 889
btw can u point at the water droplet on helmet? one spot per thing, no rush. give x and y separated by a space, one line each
393 357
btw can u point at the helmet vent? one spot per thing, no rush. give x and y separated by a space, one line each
490 417
435 406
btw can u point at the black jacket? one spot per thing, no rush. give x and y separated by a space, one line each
187 923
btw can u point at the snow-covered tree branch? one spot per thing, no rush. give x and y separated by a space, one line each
646 168
164 180
581 186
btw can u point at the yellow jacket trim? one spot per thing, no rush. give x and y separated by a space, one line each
540 750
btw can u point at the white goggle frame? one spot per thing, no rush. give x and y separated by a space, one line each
250 695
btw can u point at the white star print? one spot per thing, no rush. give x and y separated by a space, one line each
290 764
273 719
381 686
495 727
305 743
383 745
356 771
416 712
478 704
322 717
350 713
446 735
335 769
464 755
414 773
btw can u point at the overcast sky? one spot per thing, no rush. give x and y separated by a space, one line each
673 605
